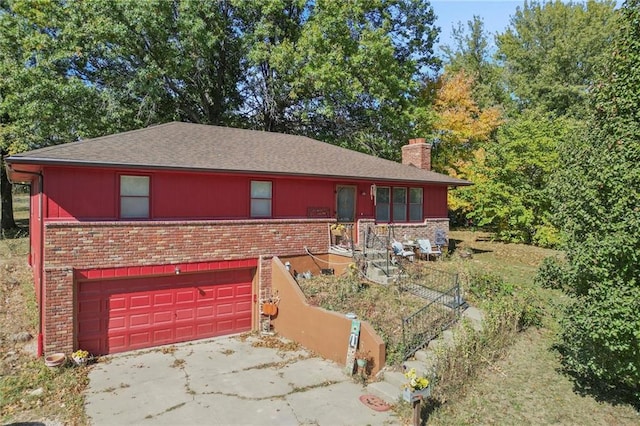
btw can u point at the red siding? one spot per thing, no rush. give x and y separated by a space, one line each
435 202
91 194
199 196
293 197
80 193
35 234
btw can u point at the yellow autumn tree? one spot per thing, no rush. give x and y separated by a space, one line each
461 127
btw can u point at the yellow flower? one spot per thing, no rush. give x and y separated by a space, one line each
80 354
415 382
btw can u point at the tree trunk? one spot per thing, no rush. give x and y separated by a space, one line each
8 221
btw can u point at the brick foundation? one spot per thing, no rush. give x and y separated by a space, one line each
72 246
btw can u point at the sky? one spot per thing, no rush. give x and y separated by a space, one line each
496 15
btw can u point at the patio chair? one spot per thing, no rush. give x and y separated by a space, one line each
425 249
399 251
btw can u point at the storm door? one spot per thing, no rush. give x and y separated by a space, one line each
346 203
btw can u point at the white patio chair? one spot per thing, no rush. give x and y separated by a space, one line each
425 249
399 251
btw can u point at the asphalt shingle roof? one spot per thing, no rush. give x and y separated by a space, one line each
213 148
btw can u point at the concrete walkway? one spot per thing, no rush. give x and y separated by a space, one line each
226 381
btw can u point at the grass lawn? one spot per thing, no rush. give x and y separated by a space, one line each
526 386
29 391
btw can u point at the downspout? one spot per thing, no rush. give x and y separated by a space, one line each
40 266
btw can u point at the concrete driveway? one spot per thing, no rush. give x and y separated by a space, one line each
226 381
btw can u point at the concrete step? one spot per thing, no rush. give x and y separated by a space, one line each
427 360
475 316
394 378
386 391
438 344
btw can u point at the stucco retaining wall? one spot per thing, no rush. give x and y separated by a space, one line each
324 332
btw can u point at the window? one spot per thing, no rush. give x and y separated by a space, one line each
415 205
260 199
383 206
399 204
134 197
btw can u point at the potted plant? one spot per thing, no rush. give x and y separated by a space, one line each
417 388
338 229
80 357
362 358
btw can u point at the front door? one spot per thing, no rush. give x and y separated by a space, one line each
346 203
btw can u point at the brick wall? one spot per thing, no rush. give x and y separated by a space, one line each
85 245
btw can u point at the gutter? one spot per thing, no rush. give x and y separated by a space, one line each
40 265
447 181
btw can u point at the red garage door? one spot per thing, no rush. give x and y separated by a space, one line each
133 313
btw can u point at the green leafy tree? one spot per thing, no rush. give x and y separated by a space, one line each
511 177
471 53
41 101
160 60
597 201
550 51
345 72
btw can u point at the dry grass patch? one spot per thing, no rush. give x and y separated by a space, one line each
30 390
382 306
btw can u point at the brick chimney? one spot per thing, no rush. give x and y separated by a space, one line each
417 153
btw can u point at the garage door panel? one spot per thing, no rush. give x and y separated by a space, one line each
116 303
243 322
163 299
140 339
205 312
226 292
243 290
163 336
140 320
185 296
224 309
224 326
140 301
117 323
124 314
162 317
243 307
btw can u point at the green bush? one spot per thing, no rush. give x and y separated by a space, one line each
486 286
551 274
601 338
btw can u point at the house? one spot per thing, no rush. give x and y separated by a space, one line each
165 234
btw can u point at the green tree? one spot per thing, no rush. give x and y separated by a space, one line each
597 201
160 60
550 51
345 72
471 53
41 102
511 177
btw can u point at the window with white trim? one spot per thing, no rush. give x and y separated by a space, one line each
261 198
134 197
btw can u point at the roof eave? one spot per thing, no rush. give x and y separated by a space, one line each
60 162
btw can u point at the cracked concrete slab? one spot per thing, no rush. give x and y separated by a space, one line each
225 381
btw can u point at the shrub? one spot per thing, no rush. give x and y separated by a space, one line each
601 339
551 274
486 286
